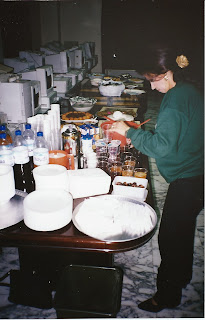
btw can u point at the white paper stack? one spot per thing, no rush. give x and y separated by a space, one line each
88 182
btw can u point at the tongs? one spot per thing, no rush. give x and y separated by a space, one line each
131 123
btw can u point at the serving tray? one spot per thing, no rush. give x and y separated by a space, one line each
125 236
12 212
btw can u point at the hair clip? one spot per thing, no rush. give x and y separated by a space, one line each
182 61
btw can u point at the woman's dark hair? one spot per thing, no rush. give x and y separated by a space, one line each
158 59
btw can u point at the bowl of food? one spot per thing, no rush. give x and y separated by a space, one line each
110 88
82 104
96 82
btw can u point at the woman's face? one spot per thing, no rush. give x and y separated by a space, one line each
162 83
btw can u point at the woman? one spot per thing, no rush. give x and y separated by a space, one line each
177 146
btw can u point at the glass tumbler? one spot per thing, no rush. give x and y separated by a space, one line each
130 161
115 169
106 133
140 173
127 171
103 165
125 154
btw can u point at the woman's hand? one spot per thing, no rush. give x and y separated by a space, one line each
120 127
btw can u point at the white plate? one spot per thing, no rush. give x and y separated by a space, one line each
123 236
126 117
134 91
137 80
12 212
92 120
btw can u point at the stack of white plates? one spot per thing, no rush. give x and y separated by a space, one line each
47 210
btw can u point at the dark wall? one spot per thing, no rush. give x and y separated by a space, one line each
129 25
16 21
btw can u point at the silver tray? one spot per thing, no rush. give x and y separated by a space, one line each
12 212
123 236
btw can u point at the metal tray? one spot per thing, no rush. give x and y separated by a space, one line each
123 236
12 212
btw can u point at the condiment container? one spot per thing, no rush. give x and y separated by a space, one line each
136 192
88 182
58 157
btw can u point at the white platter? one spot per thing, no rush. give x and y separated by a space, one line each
12 212
125 236
134 91
92 120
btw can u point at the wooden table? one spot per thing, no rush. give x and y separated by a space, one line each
49 252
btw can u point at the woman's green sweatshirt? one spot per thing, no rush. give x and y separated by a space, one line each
177 143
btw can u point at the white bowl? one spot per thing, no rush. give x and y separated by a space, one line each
83 106
47 210
96 82
111 88
136 192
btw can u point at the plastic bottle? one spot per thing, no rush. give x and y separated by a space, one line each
6 150
40 151
22 167
86 143
4 129
29 138
18 139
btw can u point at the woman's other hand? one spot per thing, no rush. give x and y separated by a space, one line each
120 127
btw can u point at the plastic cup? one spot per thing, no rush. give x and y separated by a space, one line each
103 158
101 146
102 154
113 150
125 154
125 148
130 161
127 171
112 159
106 133
115 169
140 173
103 165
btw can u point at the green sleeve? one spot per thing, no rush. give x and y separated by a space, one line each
166 135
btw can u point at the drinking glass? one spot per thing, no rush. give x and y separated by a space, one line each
130 161
125 154
127 171
140 173
115 169
103 165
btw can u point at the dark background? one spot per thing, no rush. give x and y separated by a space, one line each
127 27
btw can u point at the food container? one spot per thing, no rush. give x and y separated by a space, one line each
84 106
111 88
136 192
47 210
88 182
82 103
